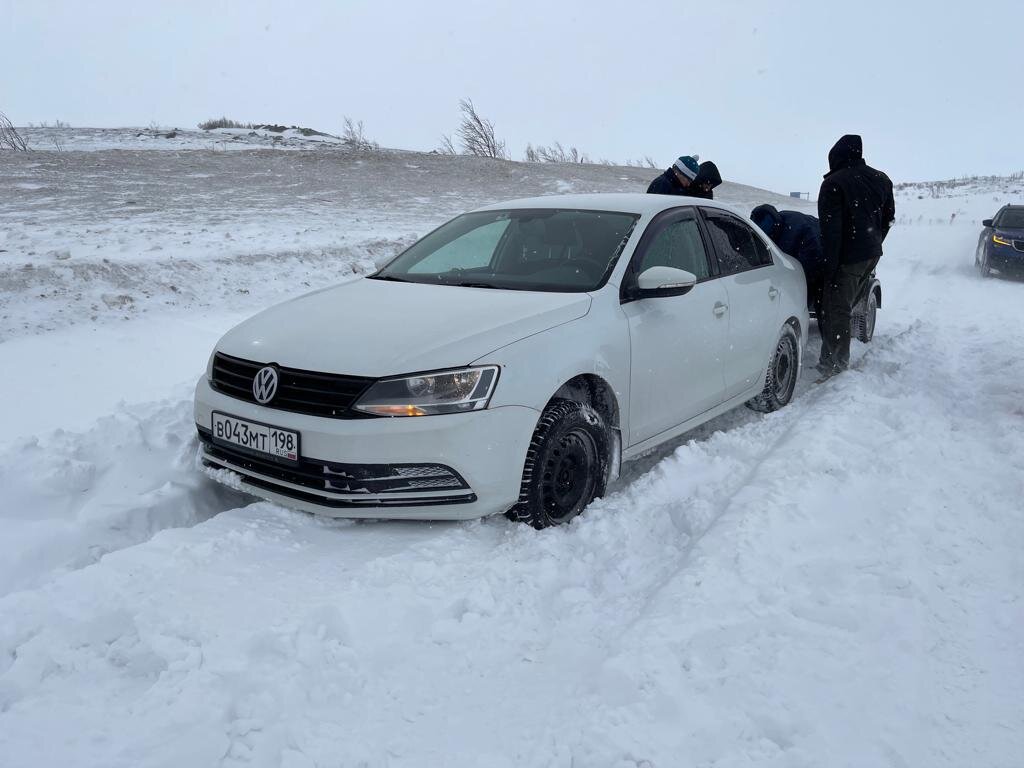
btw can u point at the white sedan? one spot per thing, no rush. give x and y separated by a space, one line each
506 362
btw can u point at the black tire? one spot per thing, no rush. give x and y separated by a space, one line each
780 381
566 465
981 262
864 324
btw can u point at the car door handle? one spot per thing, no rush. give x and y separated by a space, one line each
720 309
773 292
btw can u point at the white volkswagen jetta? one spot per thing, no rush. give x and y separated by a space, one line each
506 362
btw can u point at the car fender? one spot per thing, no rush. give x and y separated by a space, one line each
533 369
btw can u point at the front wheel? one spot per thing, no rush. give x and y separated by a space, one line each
981 262
566 465
780 381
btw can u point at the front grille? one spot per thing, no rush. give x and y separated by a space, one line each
1019 245
371 480
317 394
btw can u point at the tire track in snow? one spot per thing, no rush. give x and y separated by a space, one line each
841 582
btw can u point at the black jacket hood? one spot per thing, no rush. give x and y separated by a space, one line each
708 175
848 151
762 212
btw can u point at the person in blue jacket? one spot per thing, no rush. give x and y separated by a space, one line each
798 235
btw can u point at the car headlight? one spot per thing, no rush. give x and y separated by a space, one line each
999 240
429 394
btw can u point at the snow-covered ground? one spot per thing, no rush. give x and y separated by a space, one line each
839 583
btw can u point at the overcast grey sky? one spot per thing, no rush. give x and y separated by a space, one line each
762 88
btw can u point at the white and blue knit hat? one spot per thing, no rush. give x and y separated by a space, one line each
687 166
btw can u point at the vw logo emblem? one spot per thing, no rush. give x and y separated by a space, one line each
264 385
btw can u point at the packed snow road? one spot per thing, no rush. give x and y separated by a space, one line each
838 583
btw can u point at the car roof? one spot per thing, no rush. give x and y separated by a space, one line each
624 202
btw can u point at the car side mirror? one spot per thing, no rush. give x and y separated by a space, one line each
987 223
663 281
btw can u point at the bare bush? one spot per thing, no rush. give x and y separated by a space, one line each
476 134
9 136
556 153
355 137
447 147
222 122
644 162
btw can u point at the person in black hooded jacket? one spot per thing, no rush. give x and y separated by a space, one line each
799 235
855 210
706 180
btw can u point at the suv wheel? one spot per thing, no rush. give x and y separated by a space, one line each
566 465
981 262
780 381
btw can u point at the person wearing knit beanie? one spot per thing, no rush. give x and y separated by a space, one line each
676 179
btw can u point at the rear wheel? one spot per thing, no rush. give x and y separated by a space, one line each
864 325
566 465
780 381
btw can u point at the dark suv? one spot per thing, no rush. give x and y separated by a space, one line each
1001 246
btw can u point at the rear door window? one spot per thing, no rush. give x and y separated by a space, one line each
737 247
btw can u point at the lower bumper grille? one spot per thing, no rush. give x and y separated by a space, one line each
326 481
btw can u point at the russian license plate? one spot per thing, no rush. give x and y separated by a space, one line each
260 438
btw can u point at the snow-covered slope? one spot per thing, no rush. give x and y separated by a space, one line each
113 234
67 139
839 583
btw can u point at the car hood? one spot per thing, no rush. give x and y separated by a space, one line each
381 328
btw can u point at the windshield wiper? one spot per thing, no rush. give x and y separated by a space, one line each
476 285
392 278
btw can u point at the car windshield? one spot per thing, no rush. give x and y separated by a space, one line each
1011 218
525 250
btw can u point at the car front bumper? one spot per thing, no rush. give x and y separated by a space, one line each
485 450
1006 257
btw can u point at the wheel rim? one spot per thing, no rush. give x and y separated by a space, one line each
869 321
570 475
784 367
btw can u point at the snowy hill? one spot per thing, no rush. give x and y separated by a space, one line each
838 583
68 139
